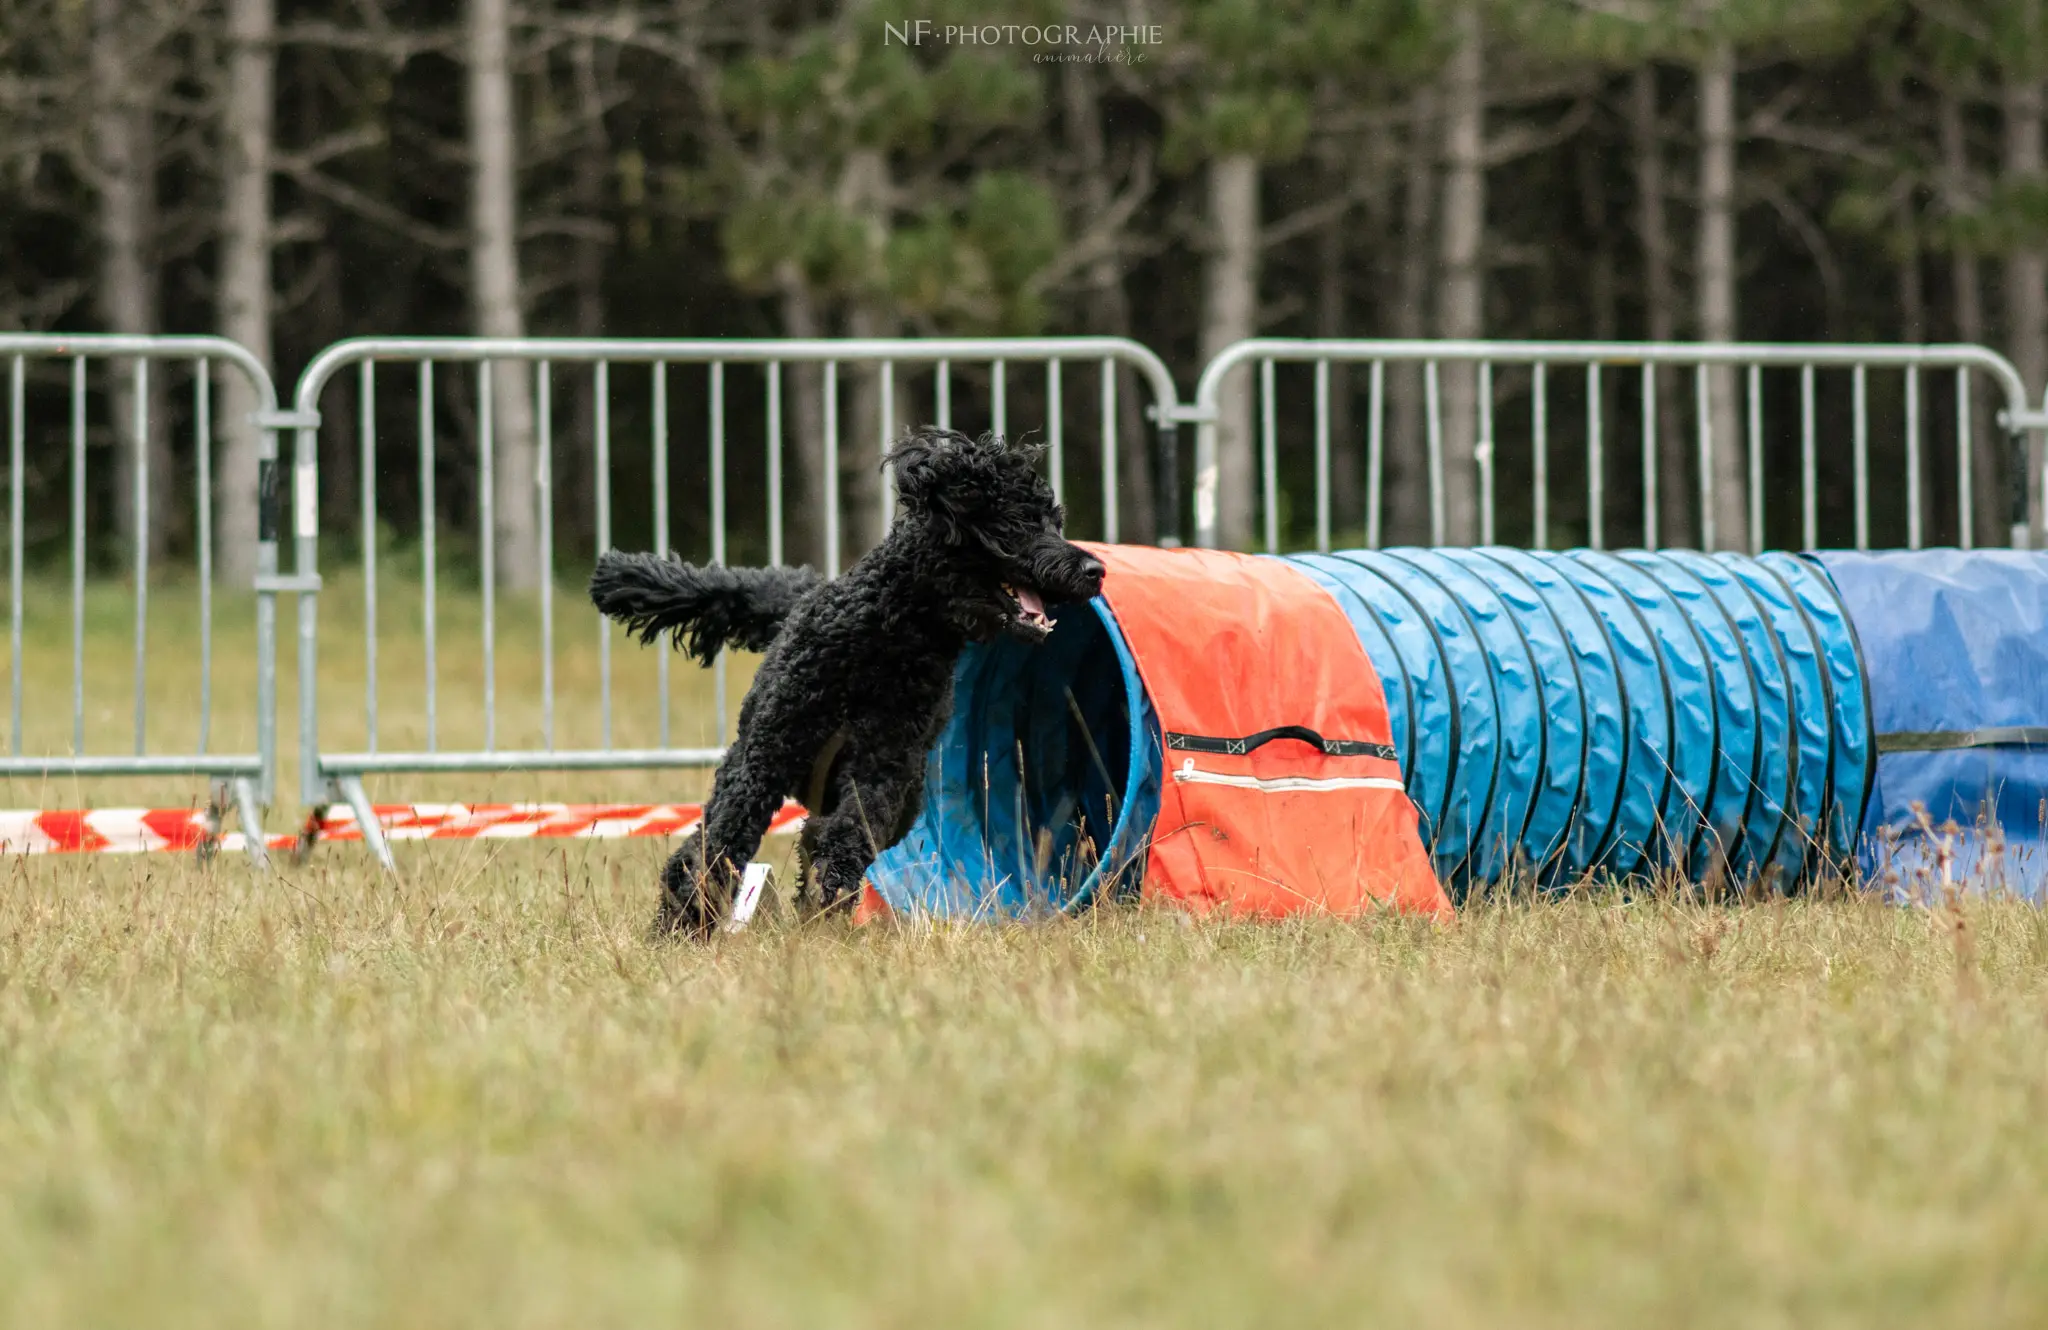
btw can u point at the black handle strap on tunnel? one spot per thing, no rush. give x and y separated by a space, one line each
1197 743
1937 741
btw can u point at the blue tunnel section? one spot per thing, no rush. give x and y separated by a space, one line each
1564 716
1560 717
1041 792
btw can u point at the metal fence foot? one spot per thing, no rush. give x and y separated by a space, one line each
251 818
217 800
351 788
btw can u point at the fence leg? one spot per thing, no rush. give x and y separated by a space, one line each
216 812
246 810
351 788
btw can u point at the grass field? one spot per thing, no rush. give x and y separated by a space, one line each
473 1097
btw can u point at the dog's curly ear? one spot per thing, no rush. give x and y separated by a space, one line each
937 475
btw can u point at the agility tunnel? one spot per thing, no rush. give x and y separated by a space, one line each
1556 718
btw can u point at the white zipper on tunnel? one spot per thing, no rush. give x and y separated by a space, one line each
1188 775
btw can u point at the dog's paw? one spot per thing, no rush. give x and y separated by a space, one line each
684 911
673 922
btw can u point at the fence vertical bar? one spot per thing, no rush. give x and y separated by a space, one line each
1483 452
16 447
544 524
661 539
141 529
488 538
717 409
1434 433
1809 479
943 388
1111 500
78 555
1323 456
1756 459
1966 518
1650 514
1860 415
1375 449
202 451
832 460
999 402
306 568
1269 466
774 465
1912 457
366 443
888 430
1055 432
1539 427
429 520
1702 401
1596 463
601 441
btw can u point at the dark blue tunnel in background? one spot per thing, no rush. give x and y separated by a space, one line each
1563 716
1955 645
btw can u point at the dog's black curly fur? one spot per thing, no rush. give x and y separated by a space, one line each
858 670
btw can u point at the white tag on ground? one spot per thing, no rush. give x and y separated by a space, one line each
753 884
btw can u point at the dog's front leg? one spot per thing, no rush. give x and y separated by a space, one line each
700 879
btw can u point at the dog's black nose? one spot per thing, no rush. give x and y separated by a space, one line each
1092 571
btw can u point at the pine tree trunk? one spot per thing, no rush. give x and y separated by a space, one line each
495 288
1989 510
1461 294
324 320
1716 295
803 466
1109 312
2026 270
125 164
864 193
1603 283
577 482
244 273
861 441
1345 449
1230 314
1675 474
1405 498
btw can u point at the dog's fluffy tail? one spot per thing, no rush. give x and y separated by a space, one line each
701 608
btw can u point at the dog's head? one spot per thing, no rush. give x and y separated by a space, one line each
987 502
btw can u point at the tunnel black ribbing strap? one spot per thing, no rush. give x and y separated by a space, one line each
1935 741
1196 743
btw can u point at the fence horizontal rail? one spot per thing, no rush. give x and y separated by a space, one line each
506 408
1462 429
127 379
146 764
553 759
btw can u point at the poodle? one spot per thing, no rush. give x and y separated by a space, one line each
857 681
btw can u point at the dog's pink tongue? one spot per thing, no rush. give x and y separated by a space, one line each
1030 602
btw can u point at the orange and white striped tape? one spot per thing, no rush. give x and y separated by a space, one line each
143 830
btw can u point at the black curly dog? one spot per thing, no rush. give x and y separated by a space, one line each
857 682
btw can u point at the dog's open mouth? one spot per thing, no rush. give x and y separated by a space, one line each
1030 607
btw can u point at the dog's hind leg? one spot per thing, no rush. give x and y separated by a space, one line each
876 799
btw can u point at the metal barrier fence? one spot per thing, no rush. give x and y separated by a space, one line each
1482 410
982 366
1462 444
243 778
